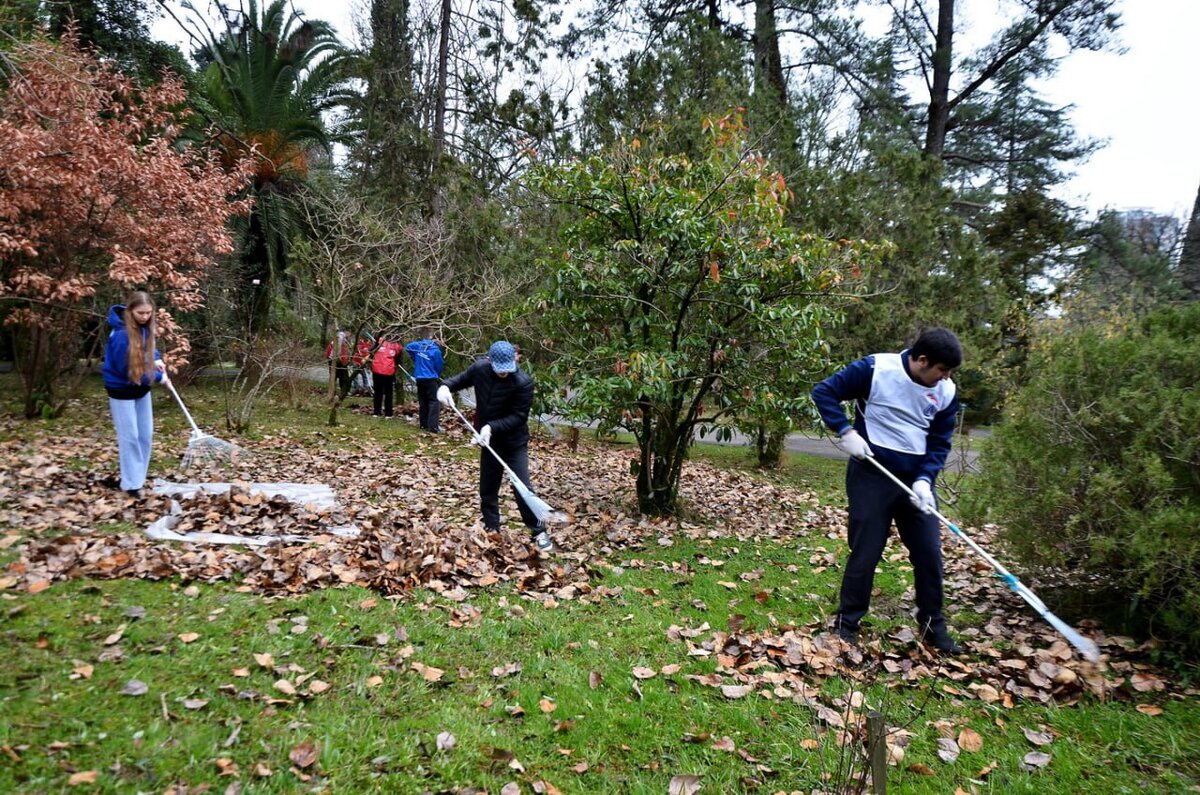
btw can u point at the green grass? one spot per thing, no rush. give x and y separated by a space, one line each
825 477
517 688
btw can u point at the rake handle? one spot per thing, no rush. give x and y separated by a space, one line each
484 444
186 413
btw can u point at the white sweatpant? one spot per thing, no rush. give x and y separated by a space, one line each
134 422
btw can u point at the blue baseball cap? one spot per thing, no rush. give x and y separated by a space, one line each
503 356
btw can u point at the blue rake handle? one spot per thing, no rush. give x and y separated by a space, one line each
1086 646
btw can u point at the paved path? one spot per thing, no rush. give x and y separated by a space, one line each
961 456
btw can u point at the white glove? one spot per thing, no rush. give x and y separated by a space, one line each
444 397
485 435
923 496
855 445
165 380
160 365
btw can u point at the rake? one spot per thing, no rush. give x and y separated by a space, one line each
1085 645
203 447
540 508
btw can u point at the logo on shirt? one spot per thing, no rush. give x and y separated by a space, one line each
931 406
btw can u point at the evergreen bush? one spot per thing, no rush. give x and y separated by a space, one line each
1096 465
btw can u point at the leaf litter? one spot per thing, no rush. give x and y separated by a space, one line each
418 522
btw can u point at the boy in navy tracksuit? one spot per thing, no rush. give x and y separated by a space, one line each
905 409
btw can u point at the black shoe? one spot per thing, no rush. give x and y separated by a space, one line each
845 631
941 640
135 493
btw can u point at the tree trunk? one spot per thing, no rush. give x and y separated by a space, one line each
1189 256
438 199
661 466
714 14
257 276
31 347
939 92
47 359
769 446
768 64
443 68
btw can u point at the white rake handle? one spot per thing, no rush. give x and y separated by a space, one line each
1085 646
471 428
186 413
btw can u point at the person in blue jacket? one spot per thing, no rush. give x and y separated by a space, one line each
428 364
131 365
503 398
905 407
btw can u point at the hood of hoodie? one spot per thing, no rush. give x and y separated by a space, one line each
116 316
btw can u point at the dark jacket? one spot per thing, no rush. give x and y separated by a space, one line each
116 360
503 403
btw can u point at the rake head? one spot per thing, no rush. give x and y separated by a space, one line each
204 449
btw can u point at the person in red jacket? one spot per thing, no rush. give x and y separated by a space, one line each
383 374
358 362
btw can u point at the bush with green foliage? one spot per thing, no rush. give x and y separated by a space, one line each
680 297
1096 466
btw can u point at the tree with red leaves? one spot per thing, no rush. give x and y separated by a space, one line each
97 196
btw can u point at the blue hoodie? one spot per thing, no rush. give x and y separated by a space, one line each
116 360
427 358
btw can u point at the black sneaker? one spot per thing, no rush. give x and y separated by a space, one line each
135 493
941 640
846 631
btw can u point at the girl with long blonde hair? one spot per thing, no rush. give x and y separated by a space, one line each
132 364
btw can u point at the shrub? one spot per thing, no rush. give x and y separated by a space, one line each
1096 464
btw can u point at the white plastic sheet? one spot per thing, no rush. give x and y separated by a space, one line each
318 495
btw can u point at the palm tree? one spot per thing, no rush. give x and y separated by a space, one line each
267 82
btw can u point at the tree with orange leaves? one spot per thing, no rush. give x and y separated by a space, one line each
96 197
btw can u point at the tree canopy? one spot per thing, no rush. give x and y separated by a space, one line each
680 295
97 197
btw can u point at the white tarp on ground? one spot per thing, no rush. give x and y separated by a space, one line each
318 495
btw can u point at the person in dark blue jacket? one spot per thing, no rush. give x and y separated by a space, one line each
131 365
428 364
905 407
503 398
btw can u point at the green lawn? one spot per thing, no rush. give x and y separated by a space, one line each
504 687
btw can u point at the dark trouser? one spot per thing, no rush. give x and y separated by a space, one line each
874 502
427 397
490 475
383 386
342 373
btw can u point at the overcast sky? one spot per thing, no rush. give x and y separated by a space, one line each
1145 102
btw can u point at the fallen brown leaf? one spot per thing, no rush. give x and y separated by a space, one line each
83 777
684 785
304 755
